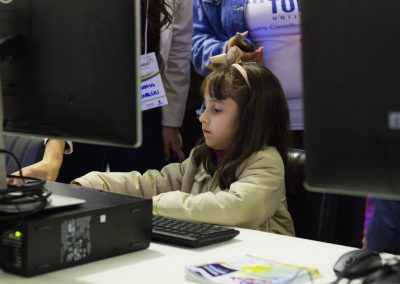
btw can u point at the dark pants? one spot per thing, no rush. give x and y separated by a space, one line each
384 230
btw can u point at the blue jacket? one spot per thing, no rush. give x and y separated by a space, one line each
222 19
214 23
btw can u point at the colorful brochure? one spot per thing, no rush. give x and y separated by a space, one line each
250 269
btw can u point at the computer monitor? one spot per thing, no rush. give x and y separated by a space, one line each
351 76
70 69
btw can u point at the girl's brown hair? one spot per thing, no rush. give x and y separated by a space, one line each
264 118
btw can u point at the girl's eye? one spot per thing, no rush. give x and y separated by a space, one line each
217 110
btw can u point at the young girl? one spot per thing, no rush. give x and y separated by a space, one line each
236 177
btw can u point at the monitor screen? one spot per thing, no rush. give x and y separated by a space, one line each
351 65
69 69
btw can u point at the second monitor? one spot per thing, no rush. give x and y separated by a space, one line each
69 69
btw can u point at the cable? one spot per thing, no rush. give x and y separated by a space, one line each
22 200
387 274
16 160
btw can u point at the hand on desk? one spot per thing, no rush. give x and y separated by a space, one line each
48 168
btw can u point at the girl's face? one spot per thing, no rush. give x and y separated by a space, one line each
219 122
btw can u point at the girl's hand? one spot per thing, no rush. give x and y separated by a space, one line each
255 56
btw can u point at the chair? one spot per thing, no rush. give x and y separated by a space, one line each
320 216
304 206
28 150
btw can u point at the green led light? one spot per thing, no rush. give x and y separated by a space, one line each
18 234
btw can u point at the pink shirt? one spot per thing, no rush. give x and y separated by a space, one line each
220 154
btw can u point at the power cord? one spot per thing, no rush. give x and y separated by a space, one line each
388 274
22 200
2 151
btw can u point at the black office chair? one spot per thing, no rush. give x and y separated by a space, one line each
27 150
304 206
320 216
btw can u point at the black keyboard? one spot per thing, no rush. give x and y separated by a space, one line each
189 234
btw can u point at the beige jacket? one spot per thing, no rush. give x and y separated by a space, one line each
257 200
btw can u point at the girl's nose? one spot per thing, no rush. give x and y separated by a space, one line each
203 117
201 114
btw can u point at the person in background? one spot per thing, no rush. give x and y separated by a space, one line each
236 177
274 28
166 30
168 33
383 234
49 167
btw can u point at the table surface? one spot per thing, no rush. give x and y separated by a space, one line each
162 263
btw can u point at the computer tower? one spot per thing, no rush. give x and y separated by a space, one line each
108 224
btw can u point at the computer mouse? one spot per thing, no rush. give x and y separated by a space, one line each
357 263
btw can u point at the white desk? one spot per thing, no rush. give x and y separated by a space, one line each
165 264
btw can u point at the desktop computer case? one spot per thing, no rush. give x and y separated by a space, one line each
107 225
